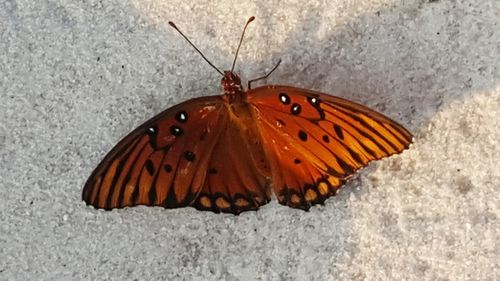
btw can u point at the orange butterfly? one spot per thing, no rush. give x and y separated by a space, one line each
225 153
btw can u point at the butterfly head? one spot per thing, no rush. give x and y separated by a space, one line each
231 83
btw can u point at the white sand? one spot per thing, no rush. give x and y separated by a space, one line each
75 76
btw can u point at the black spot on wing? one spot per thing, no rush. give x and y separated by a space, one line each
181 116
302 135
295 109
167 168
152 132
176 130
338 131
152 195
189 156
150 167
284 98
314 101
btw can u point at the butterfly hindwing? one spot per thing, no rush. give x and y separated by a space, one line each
315 141
161 163
234 182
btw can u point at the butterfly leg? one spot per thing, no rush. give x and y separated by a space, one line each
265 76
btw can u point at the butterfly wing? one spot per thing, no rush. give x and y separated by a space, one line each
315 142
161 163
236 179
190 154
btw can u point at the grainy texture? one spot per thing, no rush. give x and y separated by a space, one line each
75 76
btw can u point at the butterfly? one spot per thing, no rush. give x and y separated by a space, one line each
229 153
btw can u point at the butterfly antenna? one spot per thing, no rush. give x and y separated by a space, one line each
241 40
174 26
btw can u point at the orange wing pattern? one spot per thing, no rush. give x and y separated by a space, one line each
201 154
315 142
190 154
161 163
234 181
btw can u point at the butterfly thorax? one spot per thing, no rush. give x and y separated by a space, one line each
242 120
234 97
231 85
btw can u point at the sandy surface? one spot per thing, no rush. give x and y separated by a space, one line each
75 76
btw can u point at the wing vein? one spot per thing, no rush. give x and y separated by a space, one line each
369 127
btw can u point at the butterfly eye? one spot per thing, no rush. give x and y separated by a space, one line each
296 109
284 98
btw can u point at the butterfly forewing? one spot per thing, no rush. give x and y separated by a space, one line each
163 162
315 141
